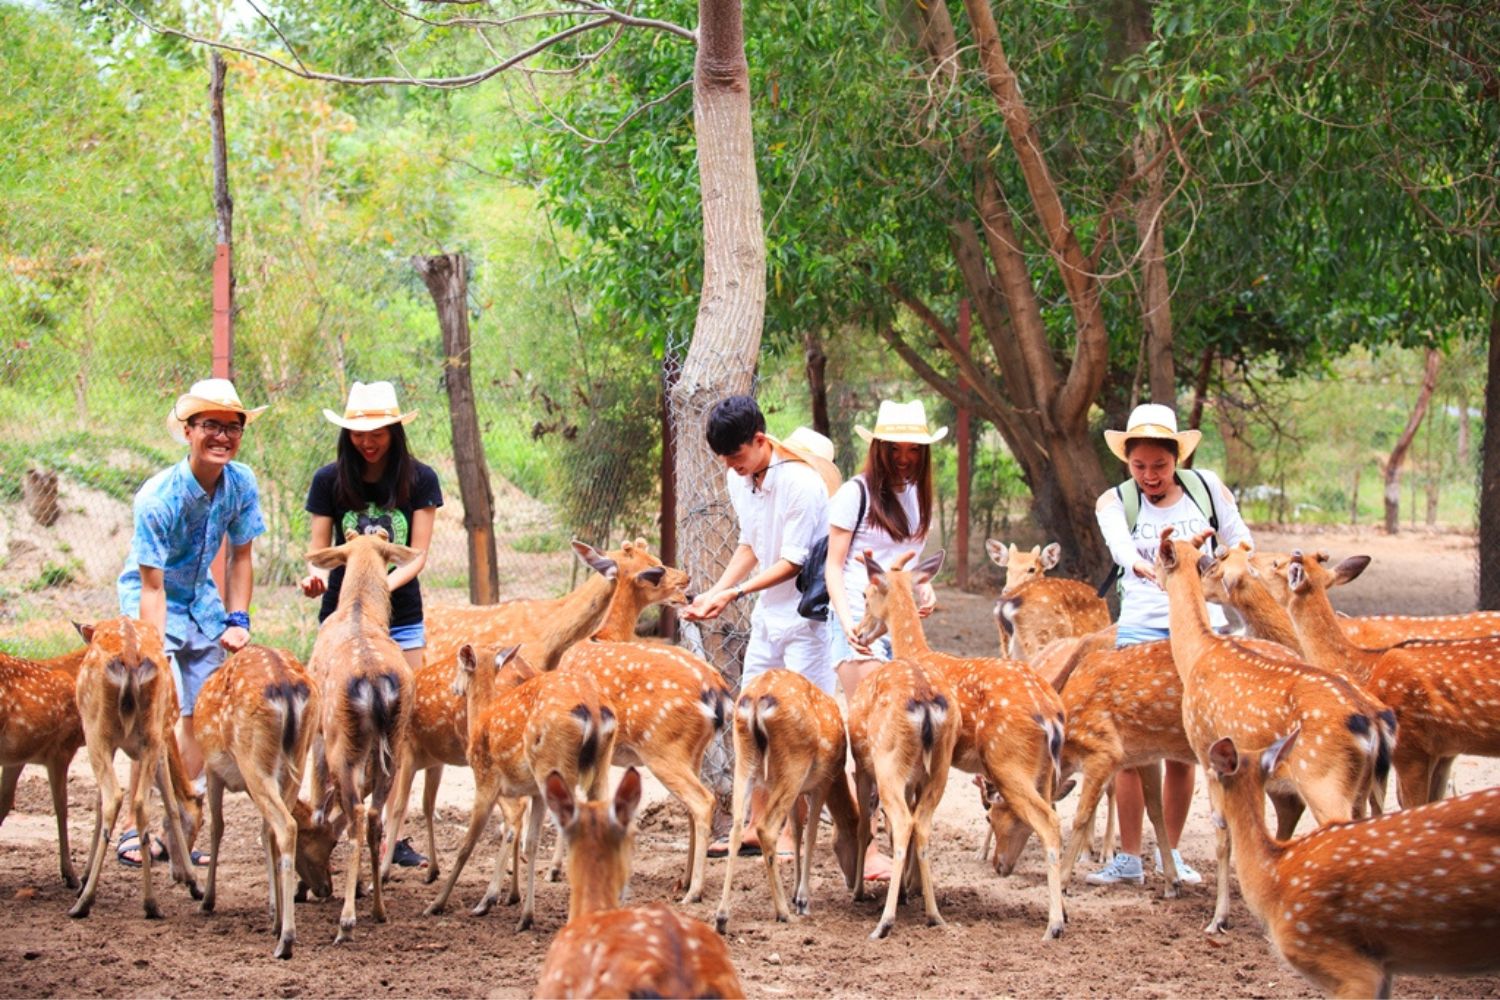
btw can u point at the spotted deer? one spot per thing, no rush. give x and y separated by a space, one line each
255 720
904 722
1350 905
554 722
1445 693
1231 689
605 951
669 705
543 629
39 724
1035 609
365 689
789 738
127 702
1010 721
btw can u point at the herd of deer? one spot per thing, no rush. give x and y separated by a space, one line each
541 698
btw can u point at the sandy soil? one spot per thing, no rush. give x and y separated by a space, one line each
1120 942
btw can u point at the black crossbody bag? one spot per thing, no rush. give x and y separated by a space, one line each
812 582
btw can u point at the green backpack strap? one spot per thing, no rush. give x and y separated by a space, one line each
1192 483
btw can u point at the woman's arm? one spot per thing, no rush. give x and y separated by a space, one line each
421 538
1109 511
839 540
315 582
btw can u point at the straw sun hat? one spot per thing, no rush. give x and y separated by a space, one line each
205 396
905 423
371 406
1156 422
806 445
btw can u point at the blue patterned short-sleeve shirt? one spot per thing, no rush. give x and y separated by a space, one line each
177 530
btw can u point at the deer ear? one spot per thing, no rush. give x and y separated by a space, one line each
505 655
928 568
1277 752
998 553
467 661
652 577
1050 555
559 800
1166 554
1348 570
596 560
627 797
877 575
640 543
1296 578
328 558
1223 757
1205 563
86 631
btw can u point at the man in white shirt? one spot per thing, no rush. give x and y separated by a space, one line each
781 502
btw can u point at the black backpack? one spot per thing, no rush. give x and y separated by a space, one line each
812 583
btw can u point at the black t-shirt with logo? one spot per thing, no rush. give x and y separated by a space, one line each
406 600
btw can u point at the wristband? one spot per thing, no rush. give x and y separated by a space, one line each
739 592
238 619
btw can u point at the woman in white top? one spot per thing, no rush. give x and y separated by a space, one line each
895 490
1151 447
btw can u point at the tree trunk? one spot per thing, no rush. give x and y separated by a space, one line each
223 291
726 336
666 624
1463 431
817 382
1489 475
447 280
1392 465
1354 499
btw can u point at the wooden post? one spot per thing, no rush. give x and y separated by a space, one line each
447 280
223 288
965 466
666 625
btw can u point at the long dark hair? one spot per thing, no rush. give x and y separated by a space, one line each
884 483
395 482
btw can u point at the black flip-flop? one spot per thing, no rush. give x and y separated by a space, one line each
130 840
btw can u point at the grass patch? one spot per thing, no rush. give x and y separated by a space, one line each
538 544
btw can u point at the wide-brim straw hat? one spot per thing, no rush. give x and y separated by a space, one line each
806 445
1153 422
371 406
207 395
905 423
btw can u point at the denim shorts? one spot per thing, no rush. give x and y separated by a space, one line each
1130 635
413 636
840 650
193 660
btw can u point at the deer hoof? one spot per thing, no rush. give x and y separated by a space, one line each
193 889
1218 925
881 930
283 949
721 924
432 874
524 924
207 906
153 911
79 911
346 932
71 881
482 907
1173 891
554 875
1053 932
433 910
936 921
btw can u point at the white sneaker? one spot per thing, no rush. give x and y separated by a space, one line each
1121 868
1186 873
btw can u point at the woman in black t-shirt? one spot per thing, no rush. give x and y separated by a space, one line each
376 483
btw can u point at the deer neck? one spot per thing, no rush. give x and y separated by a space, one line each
1256 852
578 616
1191 632
594 891
365 586
901 618
625 609
1265 618
1322 640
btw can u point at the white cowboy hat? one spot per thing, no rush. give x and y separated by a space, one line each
1155 422
806 445
209 394
371 406
902 422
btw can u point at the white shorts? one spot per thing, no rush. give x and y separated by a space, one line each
799 645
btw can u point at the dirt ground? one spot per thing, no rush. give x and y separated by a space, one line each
1122 942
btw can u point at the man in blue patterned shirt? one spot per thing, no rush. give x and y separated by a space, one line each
181 513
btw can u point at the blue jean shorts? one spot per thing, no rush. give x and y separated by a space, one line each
193 658
413 636
1130 635
840 650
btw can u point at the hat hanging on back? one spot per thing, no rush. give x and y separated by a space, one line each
371 406
1156 422
806 445
205 396
905 423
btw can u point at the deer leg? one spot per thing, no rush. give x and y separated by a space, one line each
281 848
677 774
353 807
863 836
380 791
101 759
1220 921
57 780
1151 779
215 835
180 863
805 833
533 836
432 780
1339 973
1095 779
1111 825
485 796
1037 813
1442 773
1413 769
9 776
1288 809
139 796
399 800
898 819
739 801
780 798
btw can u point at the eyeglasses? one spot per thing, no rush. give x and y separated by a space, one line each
213 428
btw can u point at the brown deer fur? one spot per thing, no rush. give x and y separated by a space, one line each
789 739
255 719
641 951
1035 609
1351 904
439 726
1445 693
39 724
553 722
127 702
365 688
1231 689
1010 722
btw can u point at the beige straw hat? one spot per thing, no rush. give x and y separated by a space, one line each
1156 422
905 423
371 406
205 396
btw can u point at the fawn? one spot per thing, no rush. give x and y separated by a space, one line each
1034 609
551 723
1009 721
439 726
1351 904
127 702
641 951
39 724
1445 693
255 720
904 722
789 736
365 689
1231 689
